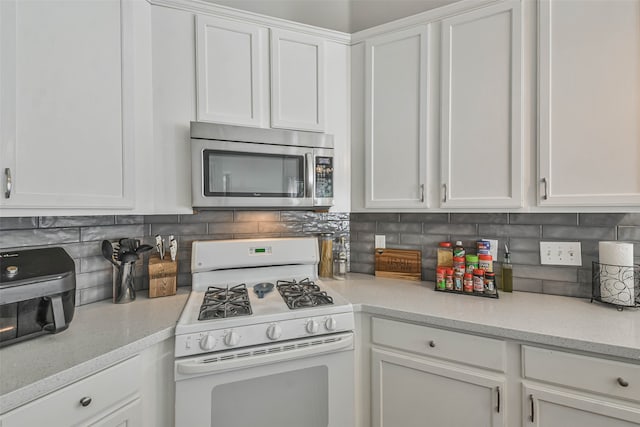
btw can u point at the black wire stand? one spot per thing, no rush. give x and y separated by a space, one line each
616 285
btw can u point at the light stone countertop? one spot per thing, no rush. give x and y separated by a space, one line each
100 334
572 323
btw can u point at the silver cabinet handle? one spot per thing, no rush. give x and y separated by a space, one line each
444 199
310 174
622 382
531 417
421 193
545 196
85 401
9 185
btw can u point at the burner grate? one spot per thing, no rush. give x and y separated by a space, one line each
302 294
225 302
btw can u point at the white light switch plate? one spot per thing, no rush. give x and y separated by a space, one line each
381 241
560 253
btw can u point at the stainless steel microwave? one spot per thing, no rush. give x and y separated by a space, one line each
241 167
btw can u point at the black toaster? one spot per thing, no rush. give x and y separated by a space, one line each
37 293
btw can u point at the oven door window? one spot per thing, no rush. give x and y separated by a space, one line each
292 398
241 174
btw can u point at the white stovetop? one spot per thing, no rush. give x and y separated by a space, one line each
271 308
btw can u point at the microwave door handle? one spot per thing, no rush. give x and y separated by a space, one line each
310 175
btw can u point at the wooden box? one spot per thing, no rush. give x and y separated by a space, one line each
162 277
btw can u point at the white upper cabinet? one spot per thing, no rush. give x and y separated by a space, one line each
589 103
232 72
481 108
297 81
66 101
236 85
396 119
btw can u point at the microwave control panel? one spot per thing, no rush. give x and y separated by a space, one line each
324 177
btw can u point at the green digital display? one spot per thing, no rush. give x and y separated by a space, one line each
260 250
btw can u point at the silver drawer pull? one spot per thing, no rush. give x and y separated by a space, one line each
9 184
85 401
432 343
622 382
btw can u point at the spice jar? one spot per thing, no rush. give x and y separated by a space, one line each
485 262
325 269
472 263
440 277
448 279
445 254
490 283
468 282
478 280
458 277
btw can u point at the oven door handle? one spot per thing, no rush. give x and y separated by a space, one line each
238 359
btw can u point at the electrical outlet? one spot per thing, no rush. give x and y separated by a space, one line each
381 241
560 253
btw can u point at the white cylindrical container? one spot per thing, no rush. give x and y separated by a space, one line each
616 273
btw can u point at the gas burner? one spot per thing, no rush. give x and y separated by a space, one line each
225 302
302 294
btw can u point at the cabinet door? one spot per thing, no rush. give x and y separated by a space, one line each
129 415
232 83
66 90
297 81
410 392
589 103
481 146
543 407
396 119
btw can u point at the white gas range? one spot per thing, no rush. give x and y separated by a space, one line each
257 321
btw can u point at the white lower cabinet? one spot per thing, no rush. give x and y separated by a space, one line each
426 376
108 398
414 391
577 390
551 407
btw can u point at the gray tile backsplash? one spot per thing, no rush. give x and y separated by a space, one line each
523 232
81 237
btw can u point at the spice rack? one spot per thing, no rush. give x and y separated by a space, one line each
615 285
473 294
454 270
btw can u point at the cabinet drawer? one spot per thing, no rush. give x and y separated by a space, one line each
106 389
582 372
459 347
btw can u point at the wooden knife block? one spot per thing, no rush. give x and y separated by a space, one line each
162 277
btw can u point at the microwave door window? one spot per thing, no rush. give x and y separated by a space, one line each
239 174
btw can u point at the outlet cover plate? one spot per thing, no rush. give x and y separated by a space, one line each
560 253
381 241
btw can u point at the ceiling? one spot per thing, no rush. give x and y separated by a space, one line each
348 16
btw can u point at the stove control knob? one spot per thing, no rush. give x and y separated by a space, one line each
274 331
330 324
312 326
231 338
207 342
